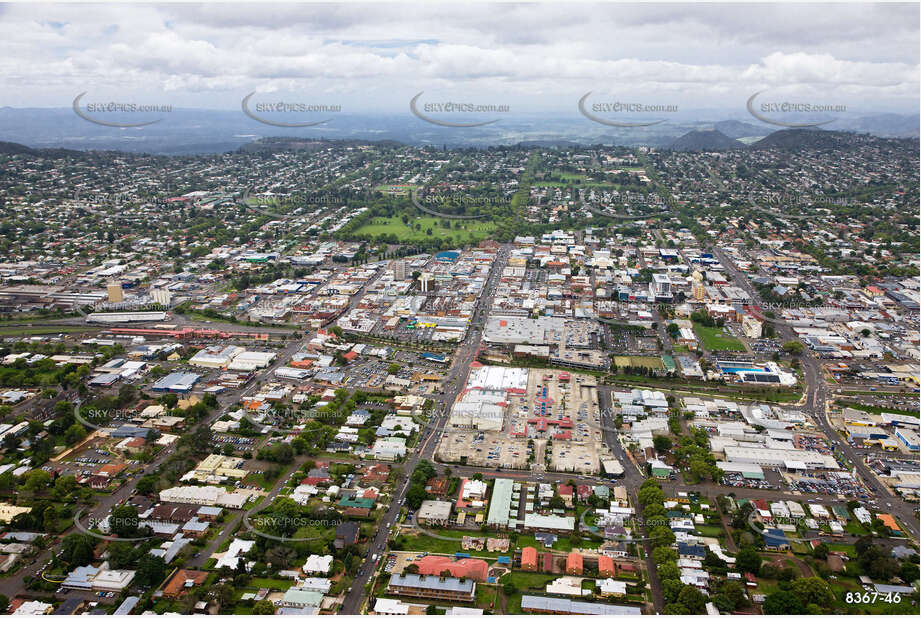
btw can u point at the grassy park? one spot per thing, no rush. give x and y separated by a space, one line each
417 229
713 338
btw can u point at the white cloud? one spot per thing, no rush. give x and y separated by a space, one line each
376 56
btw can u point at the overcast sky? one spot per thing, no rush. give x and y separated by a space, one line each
531 57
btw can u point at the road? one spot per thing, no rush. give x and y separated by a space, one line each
431 434
14 584
816 407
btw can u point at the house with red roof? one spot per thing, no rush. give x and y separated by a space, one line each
566 492
574 564
605 566
529 559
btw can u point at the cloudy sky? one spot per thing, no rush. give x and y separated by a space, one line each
534 57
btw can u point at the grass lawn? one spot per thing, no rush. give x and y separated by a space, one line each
713 338
467 230
10 331
486 596
270 583
712 531
563 543
850 550
561 178
528 582
423 542
513 604
856 528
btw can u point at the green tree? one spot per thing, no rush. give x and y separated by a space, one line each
151 571
675 609
74 434
77 549
671 588
36 480
661 555
820 551
815 590
693 599
749 561
662 444
668 570
782 602
124 521
263 608
661 537
650 495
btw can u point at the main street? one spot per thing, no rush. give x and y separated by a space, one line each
431 434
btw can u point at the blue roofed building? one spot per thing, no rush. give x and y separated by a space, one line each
775 539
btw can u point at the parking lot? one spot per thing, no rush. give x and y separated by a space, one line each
772 480
828 483
485 449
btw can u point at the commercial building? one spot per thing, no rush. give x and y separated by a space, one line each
434 512
205 496
531 604
777 458
500 503
661 288
432 587
549 523
130 316
176 382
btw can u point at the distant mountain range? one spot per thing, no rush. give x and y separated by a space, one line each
56 132
710 140
12 148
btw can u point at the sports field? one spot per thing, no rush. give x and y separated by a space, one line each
465 231
713 338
